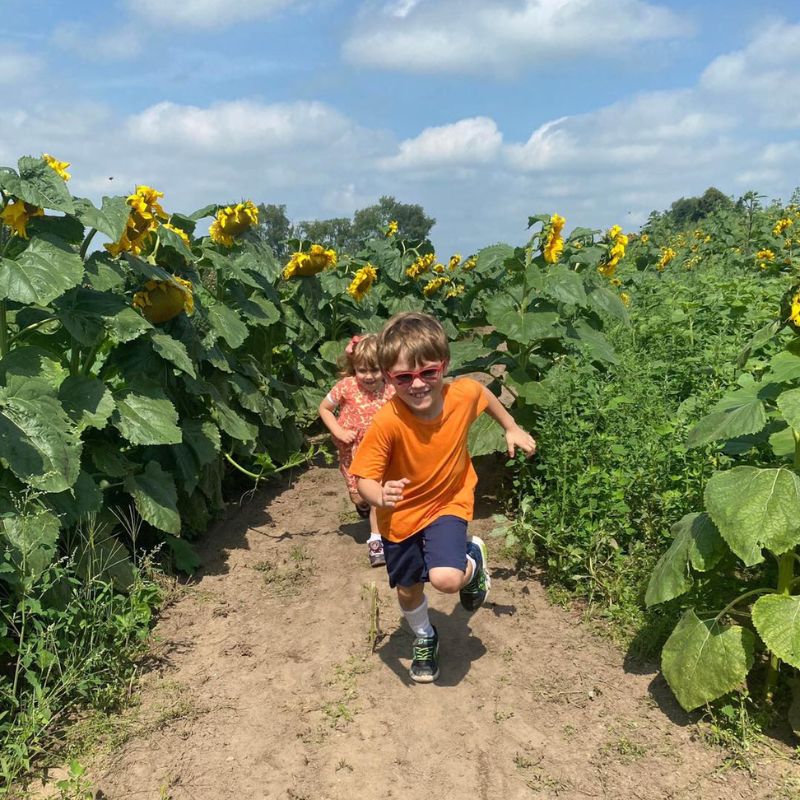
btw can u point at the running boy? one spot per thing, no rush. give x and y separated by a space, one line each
413 466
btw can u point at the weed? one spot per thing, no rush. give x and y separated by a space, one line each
75 786
285 579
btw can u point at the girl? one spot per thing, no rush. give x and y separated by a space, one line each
358 396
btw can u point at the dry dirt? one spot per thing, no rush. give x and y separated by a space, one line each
266 685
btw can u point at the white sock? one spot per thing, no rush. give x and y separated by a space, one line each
374 536
471 560
418 619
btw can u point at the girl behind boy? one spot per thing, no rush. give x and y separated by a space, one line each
358 396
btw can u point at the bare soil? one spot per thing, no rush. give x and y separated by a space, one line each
272 681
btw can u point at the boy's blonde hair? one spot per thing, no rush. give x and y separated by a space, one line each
416 336
363 352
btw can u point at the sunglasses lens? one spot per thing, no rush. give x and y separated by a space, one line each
404 378
429 375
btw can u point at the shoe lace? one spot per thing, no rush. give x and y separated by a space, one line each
423 652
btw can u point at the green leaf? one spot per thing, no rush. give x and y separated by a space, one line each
565 285
127 325
783 444
42 272
37 439
31 540
485 436
492 259
608 302
87 401
331 351
527 327
466 352
789 405
38 184
81 499
740 418
109 460
703 660
183 554
111 219
233 424
155 497
226 324
595 343
784 368
105 273
755 508
529 391
203 438
696 544
103 556
777 619
170 349
33 362
146 418
82 313
169 238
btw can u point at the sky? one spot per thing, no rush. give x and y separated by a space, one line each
482 112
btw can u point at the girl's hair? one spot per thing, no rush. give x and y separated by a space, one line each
360 351
416 336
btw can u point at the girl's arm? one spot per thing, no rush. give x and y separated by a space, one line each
326 409
515 436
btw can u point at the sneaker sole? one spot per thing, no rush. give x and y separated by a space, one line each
482 547
424 678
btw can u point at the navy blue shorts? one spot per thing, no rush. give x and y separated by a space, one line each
443 543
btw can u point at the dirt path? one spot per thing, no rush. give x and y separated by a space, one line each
266 686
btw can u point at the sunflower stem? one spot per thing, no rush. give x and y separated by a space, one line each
4 341
86 242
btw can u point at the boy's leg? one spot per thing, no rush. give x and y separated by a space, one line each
405 564
456 564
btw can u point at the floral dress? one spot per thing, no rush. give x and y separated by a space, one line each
357 407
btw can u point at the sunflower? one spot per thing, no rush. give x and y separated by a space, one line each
433 286
232 221
667 254
184 237
391 229
420 265
553 243
615 242
362 282
312 262
59 167
161 301
143 219
18 214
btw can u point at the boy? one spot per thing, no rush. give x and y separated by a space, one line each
413 466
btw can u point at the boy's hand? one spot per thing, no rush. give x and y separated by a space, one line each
516 437
393 492
345 436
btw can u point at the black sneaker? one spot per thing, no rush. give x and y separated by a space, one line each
425 659
474 593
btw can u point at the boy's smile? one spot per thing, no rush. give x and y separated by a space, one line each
423 397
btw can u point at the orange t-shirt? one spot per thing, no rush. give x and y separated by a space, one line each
432 454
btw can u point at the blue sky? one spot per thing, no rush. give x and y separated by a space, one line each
483 112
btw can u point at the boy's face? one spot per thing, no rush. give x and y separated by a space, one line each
419 386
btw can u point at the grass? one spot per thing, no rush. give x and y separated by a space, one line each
286 577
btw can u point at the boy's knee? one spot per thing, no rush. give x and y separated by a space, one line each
446 579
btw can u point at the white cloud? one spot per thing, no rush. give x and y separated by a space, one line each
240 126
471 36
761 77
207 14
17 67
466 142
126 42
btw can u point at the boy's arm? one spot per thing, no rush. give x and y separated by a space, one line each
515 436
326 408
385 495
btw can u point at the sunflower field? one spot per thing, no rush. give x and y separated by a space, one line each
148 357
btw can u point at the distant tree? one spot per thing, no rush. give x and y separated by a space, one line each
274 228
689 210
413 223
336 232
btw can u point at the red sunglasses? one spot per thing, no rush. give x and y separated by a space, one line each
427 374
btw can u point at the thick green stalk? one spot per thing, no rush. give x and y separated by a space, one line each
3 329
785 579
86 242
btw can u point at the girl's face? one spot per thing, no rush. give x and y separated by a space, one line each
369 376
